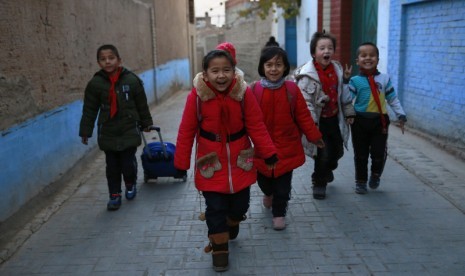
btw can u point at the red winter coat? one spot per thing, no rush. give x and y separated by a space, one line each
229 178
286 131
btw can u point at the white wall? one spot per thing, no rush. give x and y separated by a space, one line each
308 10
383 34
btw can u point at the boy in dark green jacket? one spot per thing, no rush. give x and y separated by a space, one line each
117 96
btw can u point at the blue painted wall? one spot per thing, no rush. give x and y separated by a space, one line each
40 150
175 73
427 64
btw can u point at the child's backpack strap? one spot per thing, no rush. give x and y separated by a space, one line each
291 90
199 114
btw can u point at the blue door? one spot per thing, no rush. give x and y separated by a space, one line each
291 41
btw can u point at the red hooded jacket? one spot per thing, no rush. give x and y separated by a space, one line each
286 130
222 114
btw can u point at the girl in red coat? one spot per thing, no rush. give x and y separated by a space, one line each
286 117
222 115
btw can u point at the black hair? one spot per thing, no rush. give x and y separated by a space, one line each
269 53
367 44
216 54
108 47
272 42
320 35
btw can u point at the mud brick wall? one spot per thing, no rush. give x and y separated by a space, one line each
48 49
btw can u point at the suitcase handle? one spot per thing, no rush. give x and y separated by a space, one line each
157 129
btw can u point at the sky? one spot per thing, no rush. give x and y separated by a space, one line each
215 9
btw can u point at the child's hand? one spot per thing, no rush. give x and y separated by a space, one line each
84 140
271 162
320 143
350 120
401 125
348 72
147 129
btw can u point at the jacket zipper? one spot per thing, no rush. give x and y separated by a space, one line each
228 151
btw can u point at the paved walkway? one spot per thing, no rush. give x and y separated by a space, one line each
413 225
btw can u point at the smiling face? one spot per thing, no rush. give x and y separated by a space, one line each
274 68
220 73
367 58
108 61
324 51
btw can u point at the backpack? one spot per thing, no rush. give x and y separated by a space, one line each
291 89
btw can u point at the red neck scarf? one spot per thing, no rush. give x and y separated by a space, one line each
112 93
370 74
329 82
224 116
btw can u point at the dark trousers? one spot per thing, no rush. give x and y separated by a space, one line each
279 188
223 206
327 158
121 163
369 140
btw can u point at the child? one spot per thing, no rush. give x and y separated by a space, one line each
321 81
371 90
222 116
117 96
229 47
285 121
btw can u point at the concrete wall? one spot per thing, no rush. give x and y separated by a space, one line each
248 43
48 54
48 50
426 63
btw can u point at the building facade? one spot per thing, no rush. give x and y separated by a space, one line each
421 44
48 54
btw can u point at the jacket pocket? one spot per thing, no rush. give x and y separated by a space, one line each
208 164
245 159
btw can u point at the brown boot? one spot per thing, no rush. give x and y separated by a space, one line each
220 255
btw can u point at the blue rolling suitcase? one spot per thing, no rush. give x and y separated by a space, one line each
158 159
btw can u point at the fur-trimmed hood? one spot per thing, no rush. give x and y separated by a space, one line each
205 93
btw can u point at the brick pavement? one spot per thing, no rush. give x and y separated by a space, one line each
412 225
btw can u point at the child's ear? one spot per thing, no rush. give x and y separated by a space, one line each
204 75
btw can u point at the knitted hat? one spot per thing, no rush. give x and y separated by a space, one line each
228 47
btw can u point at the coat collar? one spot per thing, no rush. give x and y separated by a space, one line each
309 70
205 93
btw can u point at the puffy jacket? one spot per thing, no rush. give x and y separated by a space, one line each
309 83
229 174
123 130
285 130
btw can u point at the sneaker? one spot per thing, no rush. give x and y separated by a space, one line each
279 223
114 203
319 192
267 201
361 188
374 181
131 193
